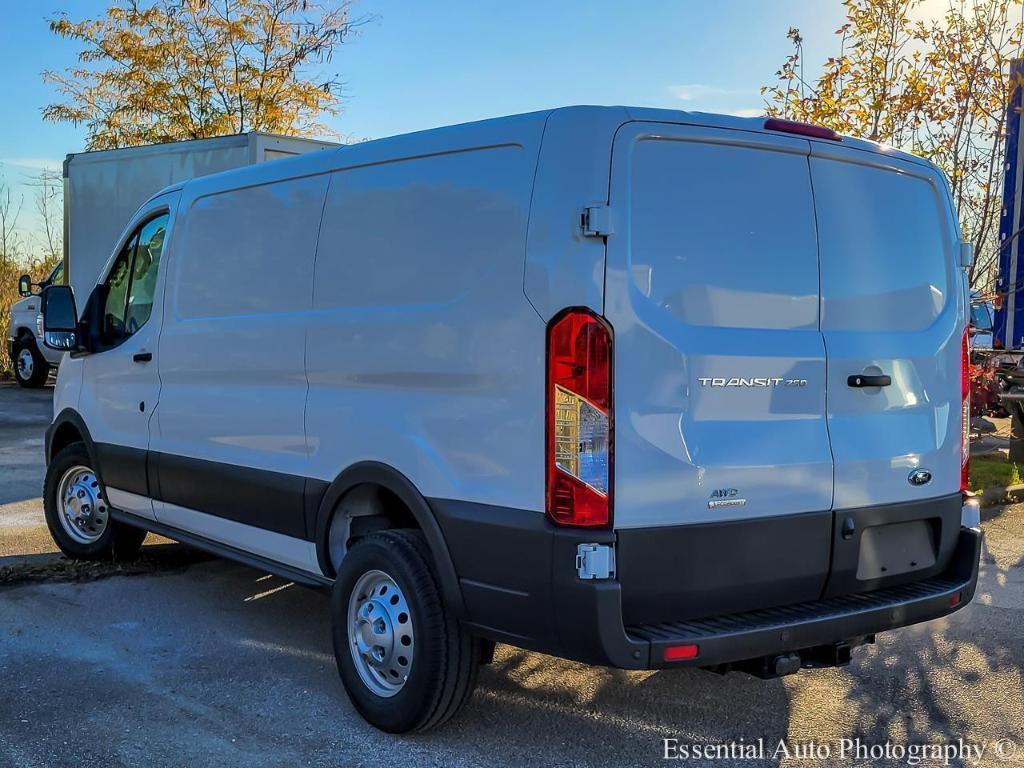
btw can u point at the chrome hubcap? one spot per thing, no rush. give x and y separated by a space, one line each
84 514
380 633
26 364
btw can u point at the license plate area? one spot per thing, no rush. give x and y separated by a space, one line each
910 540
891 550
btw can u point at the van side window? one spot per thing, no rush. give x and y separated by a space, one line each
117 295
144 271
132 283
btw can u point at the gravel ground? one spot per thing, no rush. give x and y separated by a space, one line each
186 660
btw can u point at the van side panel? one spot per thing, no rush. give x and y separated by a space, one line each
422 351
231 356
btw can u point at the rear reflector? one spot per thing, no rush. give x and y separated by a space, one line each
681 652
954 600
579 416
801 129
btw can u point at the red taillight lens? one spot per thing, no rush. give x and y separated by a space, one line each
579 416
965 417
801 129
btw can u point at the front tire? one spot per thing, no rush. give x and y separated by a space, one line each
77 512
404 661
30 367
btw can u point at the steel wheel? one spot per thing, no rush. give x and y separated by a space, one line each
25 363
380 633
83 512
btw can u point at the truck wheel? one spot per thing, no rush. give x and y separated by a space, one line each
77 513
30 367
406 664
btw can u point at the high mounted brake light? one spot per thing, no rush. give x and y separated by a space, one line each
801 129
579 419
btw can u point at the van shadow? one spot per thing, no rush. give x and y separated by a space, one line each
954 678
958 677
527 705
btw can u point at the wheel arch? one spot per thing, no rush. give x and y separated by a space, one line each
69 427
389 479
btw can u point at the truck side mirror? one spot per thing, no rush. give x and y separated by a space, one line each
25 285
60 319
966 255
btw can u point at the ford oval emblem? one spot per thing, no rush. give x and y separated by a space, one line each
920 477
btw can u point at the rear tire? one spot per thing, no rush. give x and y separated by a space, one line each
30 367
404 661
77 512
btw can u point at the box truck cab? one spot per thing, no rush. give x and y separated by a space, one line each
31 358
639 388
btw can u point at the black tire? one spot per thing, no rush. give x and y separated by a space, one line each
40 369
116 542
446 660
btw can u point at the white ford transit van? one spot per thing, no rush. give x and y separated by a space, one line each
639 388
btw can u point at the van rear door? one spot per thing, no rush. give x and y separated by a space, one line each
723 473
892 306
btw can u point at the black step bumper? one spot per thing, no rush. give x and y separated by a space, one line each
753 634
519 587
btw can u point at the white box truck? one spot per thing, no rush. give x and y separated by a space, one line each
101 191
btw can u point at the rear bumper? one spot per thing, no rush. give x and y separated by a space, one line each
520 587
754 634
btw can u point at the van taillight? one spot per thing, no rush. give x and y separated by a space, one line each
965 411
579 419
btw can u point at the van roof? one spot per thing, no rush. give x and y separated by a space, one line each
471 133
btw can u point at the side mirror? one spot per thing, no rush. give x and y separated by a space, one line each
25 285
966 255
60 318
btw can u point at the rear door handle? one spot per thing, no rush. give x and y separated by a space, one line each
142 357
869 380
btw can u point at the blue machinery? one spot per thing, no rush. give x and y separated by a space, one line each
1009 316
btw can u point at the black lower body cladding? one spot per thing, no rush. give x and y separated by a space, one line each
685 584
273 501
738 590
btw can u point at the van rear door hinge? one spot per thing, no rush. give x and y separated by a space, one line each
595 561
596 221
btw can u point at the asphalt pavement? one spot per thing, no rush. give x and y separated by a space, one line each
187 660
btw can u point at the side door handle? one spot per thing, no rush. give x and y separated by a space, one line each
869 380
142 357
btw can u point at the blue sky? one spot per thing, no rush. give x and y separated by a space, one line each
424 64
